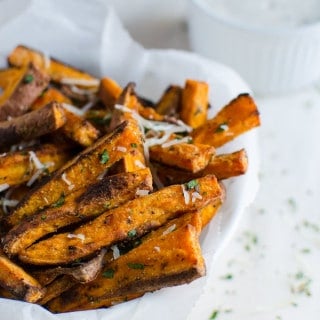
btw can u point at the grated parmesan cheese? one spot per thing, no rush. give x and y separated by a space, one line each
88 106
77 90
73 109
195 195
115 251
46 60
139 164
122 149
186 194
169 230
142 193
80 82
4 187
156 248
3 154
176 141
78 236
37 163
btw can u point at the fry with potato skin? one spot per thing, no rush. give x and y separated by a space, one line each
85 168
237 117
18 97
32 125
168 256
76 128
110 192
170 102
18 281
141 215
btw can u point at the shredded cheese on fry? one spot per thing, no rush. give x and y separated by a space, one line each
156 248
73 109
195 195
4 186
122 149
139 164
142 193
37 163
115 251
169 230
78 236
176 141
80 82
186 194
88 92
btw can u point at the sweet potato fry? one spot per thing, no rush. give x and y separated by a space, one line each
167 257
170 102
109 92
132 219
76 128
16 167
22 56
10 76
223 166
21 92
194 104
88 202
237 117
32 125
187 156
82 170
18 282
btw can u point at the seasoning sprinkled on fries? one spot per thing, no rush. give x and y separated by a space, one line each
103 193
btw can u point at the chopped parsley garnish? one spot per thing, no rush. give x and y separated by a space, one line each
43 217
28 78
137 266
59 202
191 184
214 315
222 127
104 158
228 276
109 273
132 233
134 145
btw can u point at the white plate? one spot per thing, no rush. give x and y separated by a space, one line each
100 45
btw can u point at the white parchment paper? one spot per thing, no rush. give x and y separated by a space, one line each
89 35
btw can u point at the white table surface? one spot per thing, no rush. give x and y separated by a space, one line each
270 268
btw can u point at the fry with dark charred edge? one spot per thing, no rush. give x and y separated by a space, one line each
82 170
76 128
170 102
132 219
19 282
223 166
166 257
19 95
17 167
84 272
57 70
32 125
237 117
79 206
187 156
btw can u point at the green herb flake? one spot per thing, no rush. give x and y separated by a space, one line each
59 202
43 217
104 157
132 233
228 276
28 78
191 184
222 127
109 273
136 266
134 145
214 315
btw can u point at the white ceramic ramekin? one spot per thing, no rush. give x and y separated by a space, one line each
271 60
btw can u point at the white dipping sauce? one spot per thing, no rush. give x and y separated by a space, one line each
276 13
